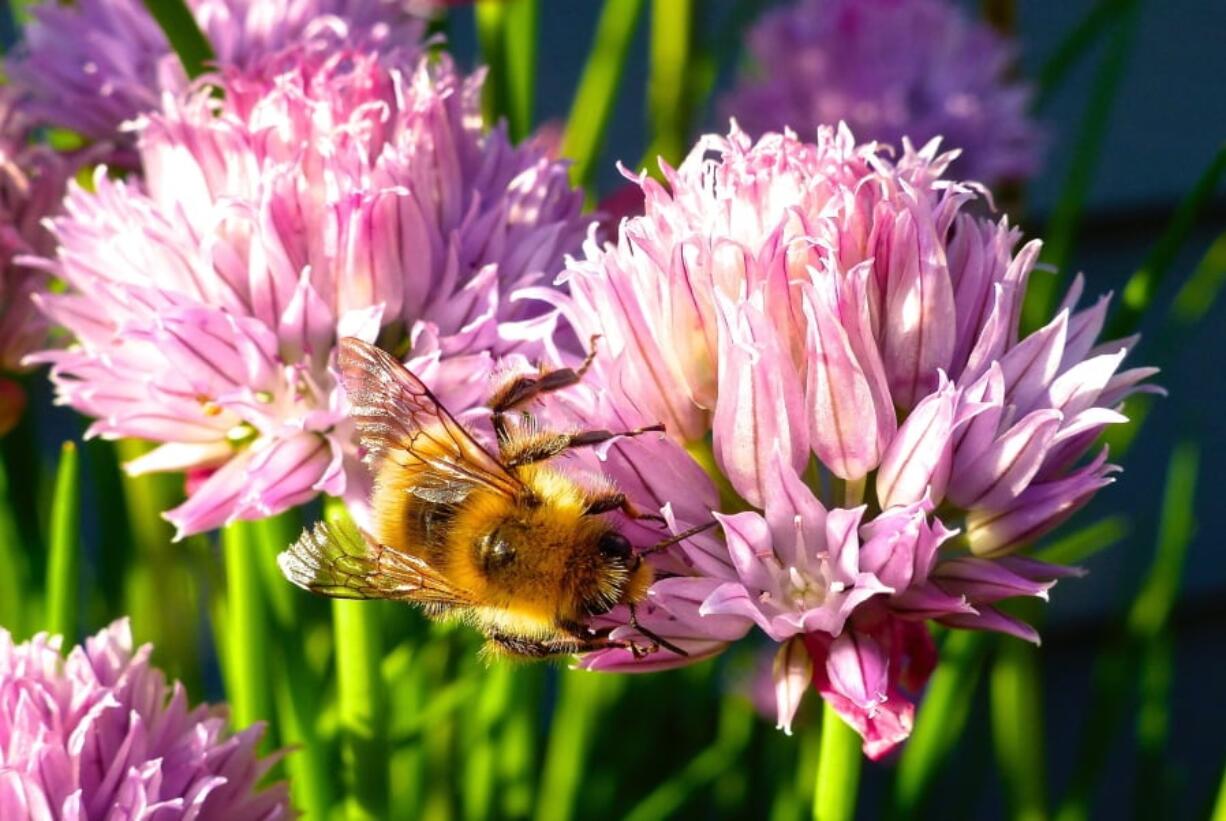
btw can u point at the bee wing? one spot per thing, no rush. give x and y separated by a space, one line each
396 414
341 561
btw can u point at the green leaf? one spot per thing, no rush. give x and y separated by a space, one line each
598 85
64 564
186 38
838 769
1141 286
1065 221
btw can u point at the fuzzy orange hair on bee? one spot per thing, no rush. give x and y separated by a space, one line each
506 542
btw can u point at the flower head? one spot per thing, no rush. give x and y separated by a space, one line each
339 197
842 337
32 182
890 69
95 64
101 735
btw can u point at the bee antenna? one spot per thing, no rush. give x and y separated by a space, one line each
680 537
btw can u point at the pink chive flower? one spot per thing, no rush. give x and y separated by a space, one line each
338 198
889 69
101 735
93 65
840 335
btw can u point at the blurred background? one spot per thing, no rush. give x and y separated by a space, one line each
1137 116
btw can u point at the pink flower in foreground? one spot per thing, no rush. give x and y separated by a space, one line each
32 182
341 197
890 69
102 736
94 64
839 341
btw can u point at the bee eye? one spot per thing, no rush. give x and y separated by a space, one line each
496 552
614 546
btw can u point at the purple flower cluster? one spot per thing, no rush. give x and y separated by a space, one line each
93 65
842 336
101 735
32 182
890 69
337 196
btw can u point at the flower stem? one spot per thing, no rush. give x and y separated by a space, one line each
581 700
1095 124
838 769
942 717
64 566
360 697
247 642
507 32
1219 807
597 91
159 589
185 36
853 491
15 578
1017 727
672 24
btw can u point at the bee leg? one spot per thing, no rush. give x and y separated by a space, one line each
517 450
615 500
656 639
523 389
547 648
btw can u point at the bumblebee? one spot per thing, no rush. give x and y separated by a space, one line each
505 542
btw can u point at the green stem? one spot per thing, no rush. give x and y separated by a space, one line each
1017 727
64 565
14 580
941 720
360 697
160 592
597 91
1065 221
1219 806
706 768
580 703
1116 669
668 103
1141 286
507 34
247 640
1076 44
838 769
185 36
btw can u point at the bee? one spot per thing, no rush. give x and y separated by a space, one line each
506 542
